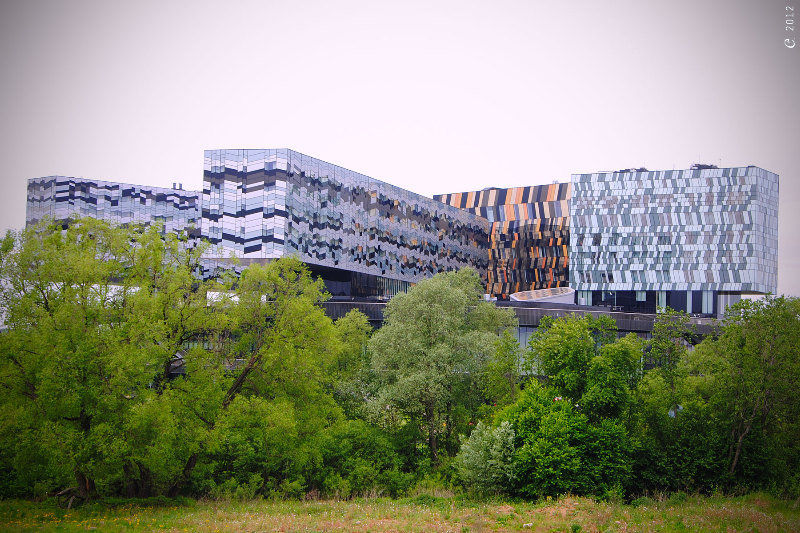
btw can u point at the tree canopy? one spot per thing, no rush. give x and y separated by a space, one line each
124 372
430 352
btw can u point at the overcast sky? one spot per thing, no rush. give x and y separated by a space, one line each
431 96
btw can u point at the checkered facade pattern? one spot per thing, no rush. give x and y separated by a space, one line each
710 230
260 204
528 237
61 198
690 239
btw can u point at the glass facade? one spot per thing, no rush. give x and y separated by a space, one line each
692 240
528 237
682 238
61 198
363 236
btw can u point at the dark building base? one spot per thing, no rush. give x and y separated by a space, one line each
691 302
348 284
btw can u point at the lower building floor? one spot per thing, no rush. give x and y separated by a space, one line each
347 283
700 303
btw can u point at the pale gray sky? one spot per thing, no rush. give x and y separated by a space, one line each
432 96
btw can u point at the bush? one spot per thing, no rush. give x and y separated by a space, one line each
677 498
355 459
558 450
230 489
254 440
485 462
687 451
644 501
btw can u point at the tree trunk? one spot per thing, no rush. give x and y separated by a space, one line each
738 451
175 488
748 424
129 480
138 480
85 485
240 379
233 391
431 418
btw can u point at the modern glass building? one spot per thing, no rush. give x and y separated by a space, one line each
61 198
693 240
528 236
363 236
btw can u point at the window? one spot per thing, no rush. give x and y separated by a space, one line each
708 302
661 297
584 297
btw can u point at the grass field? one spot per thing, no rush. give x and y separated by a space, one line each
755 512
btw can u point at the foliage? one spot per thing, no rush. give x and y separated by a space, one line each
357 460
353 381
484 463
677 449
433 345
123 374
761 345
671 335
501 376
274 362
571 434
726 414
559 450
96 319
609 378
562 350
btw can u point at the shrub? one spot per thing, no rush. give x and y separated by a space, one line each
230 489
485 461
644 501
355 459
677 498
558 450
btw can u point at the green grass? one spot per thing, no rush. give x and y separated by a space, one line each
755 512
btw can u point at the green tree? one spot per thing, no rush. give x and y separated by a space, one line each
430 351
760 341
562 349
610 378
725 412
353 382
680 432
501 377
572 433
558 449
94 317
485 461
280 347
100 323
672 333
